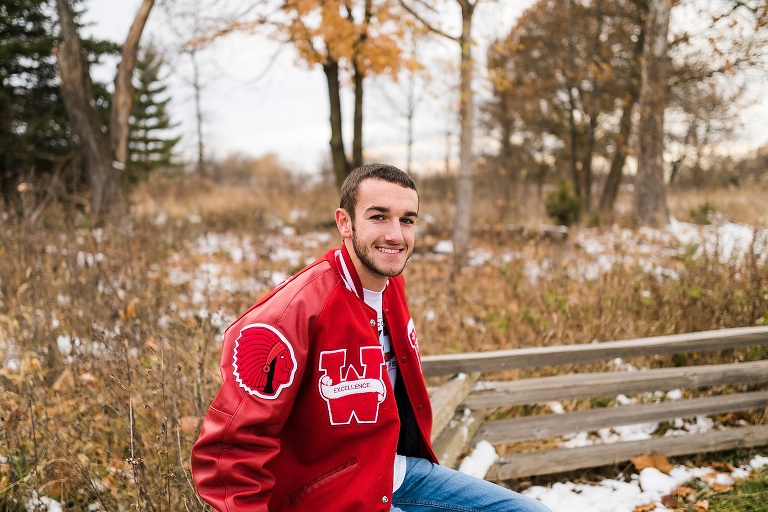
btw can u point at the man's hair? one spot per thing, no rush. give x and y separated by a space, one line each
351 186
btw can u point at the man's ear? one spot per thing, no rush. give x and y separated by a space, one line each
343 223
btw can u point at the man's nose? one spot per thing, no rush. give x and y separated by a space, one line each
394 231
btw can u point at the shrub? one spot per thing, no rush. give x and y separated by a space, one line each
702 214
562 205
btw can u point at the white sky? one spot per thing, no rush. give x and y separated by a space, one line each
285 109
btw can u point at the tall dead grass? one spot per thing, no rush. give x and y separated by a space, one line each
108 366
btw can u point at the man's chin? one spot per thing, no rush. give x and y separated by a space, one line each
386 271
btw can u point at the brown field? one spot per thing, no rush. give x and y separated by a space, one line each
110 336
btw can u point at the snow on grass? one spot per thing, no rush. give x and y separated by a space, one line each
647 487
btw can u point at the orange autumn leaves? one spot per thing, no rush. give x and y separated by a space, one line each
366 34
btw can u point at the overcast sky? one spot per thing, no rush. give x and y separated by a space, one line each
254 108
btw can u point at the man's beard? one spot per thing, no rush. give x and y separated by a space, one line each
363 253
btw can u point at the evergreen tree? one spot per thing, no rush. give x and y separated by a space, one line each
38 157
33 126
149 143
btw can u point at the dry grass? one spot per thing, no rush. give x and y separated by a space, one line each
114 358
744 204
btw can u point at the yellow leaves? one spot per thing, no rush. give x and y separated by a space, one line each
339 31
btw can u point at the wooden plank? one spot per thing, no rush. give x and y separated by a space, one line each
487 395
544 426
452 441
447 397
449 364
568 459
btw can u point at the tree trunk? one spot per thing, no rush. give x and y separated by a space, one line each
462 226
358 77
339 158
573 136
615 175
586 164
357 130
77 94
201 167
123 95
510 173
104 152
650 190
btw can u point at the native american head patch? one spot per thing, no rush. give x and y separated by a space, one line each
264 363
413 340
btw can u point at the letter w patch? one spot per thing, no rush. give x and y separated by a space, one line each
351 392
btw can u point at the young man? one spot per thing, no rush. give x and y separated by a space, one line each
323 405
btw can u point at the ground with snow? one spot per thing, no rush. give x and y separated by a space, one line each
647 487
723 240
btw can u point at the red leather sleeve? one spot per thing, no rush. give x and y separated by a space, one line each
240 431
228 459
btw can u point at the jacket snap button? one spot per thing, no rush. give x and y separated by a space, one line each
384 499
419 407
404 359
373 322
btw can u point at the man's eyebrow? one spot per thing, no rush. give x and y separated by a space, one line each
384 209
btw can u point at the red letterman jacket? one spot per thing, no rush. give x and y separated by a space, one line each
306 417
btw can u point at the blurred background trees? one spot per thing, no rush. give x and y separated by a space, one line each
34 136
605 95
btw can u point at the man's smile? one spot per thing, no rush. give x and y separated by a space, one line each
388 250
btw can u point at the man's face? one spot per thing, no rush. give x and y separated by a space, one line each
383 231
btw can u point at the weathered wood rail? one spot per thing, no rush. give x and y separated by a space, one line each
462 404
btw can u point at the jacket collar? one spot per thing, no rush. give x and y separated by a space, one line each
342 261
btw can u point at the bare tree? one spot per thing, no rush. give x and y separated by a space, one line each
104 148
650 200
464 184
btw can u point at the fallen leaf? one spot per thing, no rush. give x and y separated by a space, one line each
684 491
670 501
655 460
151 345
724 467
88 378
130 308
720 487
646 508
702 505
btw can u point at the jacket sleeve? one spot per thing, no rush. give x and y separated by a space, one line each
239 435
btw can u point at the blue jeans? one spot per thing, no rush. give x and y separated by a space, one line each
430 487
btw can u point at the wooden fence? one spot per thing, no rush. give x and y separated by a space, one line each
462 404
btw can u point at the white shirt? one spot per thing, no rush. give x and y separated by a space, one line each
374 300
